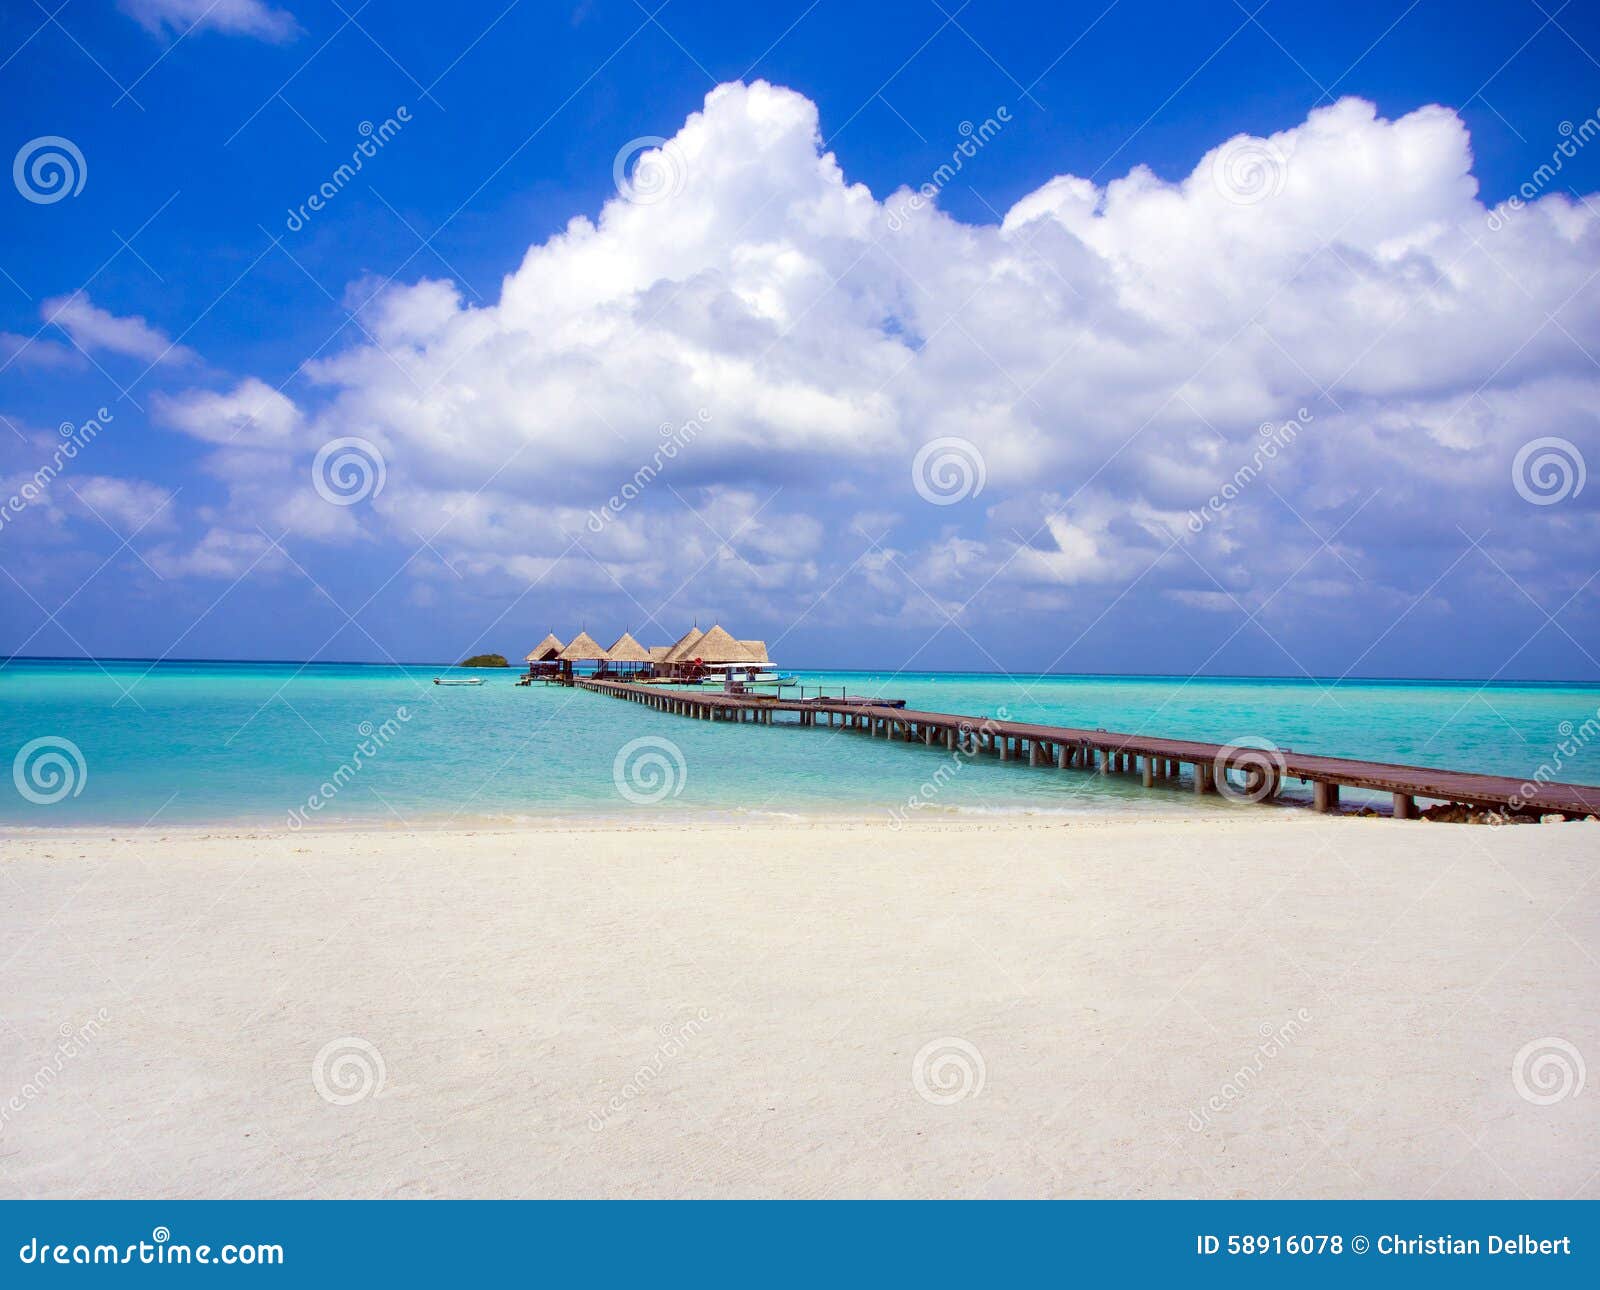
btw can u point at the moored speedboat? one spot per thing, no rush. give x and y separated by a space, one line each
770 680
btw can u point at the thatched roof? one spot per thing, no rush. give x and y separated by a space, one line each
658 653
545 650
678 651
716 646
757 651
628 650
584 649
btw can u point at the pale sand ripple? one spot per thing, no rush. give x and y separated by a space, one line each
724 1010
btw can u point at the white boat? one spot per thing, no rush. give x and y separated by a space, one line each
458 680
770 680
737 677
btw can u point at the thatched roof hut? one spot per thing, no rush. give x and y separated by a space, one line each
716 646
757 651
679 651
584 649
658 653
545 650
627 650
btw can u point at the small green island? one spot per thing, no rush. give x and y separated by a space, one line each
486 660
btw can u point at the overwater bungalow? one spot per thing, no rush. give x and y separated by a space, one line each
544 658
733 662
713 655
679 660
584 649
627 659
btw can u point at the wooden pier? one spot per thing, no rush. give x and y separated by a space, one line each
1108 752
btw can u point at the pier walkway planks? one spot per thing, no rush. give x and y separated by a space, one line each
1108 752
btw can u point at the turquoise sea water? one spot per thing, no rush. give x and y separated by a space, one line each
202 743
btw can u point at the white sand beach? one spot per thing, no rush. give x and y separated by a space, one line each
1265 1004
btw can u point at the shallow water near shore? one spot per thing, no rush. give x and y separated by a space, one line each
263 743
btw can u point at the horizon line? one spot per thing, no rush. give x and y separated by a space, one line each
8 659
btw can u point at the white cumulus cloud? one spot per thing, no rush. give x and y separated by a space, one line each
1111 350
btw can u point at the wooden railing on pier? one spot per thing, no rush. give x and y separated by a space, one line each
1109 752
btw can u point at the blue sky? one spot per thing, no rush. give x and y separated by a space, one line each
969 417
